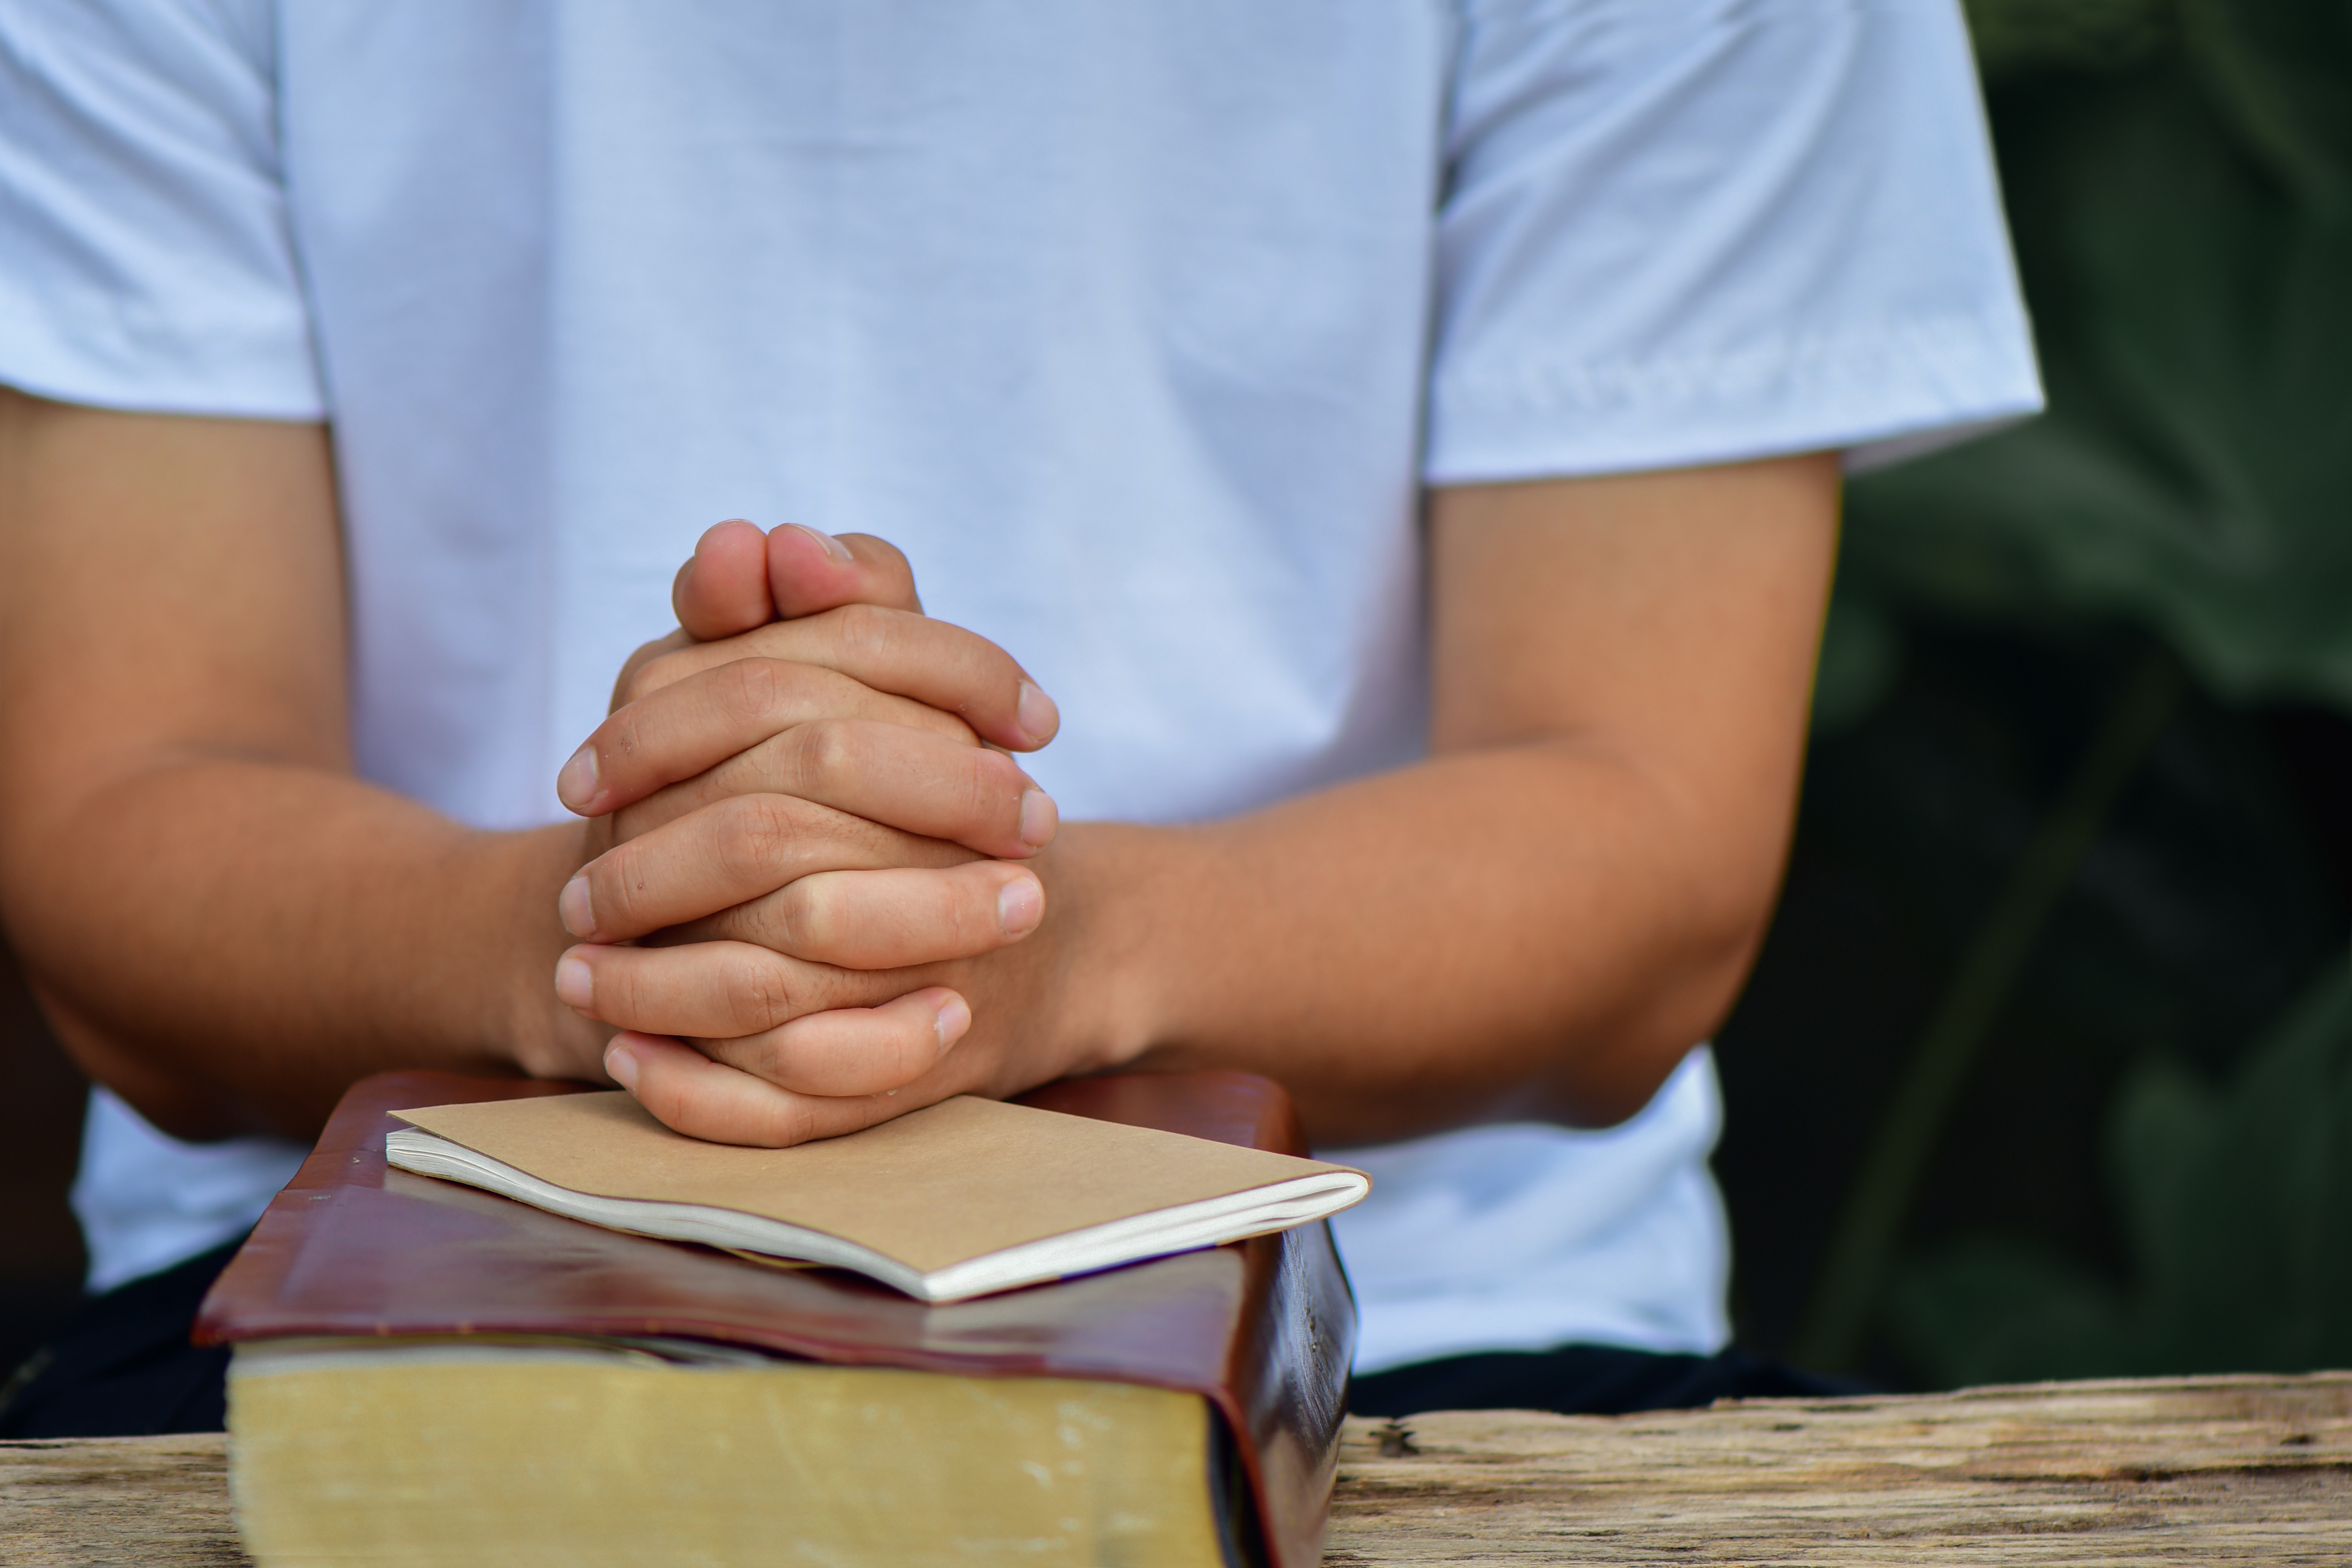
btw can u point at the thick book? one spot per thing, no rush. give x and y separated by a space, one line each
958 1199
429 1373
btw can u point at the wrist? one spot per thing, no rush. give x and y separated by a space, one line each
541 1038
1113 890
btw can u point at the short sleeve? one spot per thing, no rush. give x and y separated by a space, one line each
1677 232
145 260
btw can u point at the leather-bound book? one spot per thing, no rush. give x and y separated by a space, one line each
429 1374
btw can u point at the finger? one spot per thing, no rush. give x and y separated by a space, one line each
938 665
771 767
852 1050
722 590
891 919
809 573
742 847
749 773
890 775
712 990
687 1091
688 726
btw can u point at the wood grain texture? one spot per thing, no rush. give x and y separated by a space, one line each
2211 1471
159 1502
2241 1469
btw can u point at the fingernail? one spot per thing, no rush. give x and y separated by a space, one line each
621 1065
1036 714
575 787
832 547
575 982
1020 905
577 908
952 1020
1038 818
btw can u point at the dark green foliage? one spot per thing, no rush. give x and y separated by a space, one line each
2017 35
2194 918
2178 177
2179 184
2237 1203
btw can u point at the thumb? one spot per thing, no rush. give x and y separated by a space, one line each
723 590
810 572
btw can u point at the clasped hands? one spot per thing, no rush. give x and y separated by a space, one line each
806 831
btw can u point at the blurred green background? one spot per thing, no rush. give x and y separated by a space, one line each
2047 1069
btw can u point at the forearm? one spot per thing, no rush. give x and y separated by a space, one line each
1543 919
225 926
230 944
1532 931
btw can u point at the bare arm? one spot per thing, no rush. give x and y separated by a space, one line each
1543 917
222 923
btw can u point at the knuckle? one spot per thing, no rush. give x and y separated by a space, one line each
760 995
743 774
755 696
763 1055
777 639
865 628
755 836
765 922
795 1123
808 915
826 756
746 687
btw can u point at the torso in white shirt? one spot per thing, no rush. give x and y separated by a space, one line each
1140 328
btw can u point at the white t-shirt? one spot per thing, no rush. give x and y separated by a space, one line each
1138 327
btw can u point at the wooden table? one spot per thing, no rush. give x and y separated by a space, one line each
2228 1470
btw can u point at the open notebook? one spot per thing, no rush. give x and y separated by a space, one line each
960 1199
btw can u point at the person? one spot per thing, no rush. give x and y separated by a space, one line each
1289 537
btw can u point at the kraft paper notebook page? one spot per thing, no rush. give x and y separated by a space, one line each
958 1199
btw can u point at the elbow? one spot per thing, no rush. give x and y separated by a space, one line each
1700 964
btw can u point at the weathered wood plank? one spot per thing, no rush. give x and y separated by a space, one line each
158 1502
2212 1469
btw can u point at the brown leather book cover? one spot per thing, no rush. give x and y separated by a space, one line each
1264 1329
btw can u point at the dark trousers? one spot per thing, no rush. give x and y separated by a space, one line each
1585 1380
124 1368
